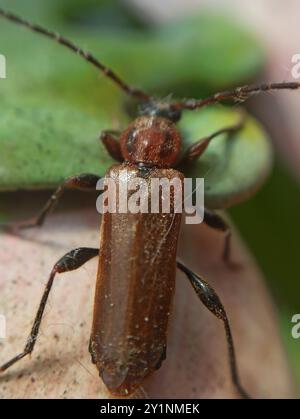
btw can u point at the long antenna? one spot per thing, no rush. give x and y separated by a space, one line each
139 94
240 93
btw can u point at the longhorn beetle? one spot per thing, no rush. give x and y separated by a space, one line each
134 290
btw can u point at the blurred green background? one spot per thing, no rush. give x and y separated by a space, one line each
57 105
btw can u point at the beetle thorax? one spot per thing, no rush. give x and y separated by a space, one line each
151 140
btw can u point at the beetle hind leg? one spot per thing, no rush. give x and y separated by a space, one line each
212 302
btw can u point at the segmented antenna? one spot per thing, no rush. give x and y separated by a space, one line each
139 94
240 94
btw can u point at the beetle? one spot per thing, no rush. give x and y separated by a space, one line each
135 284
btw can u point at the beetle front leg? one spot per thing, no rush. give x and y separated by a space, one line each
69 262
85 181
215 221
110 140
211 301
198 148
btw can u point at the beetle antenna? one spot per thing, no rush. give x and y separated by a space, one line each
139 94
239 93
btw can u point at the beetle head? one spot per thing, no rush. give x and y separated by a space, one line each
151 140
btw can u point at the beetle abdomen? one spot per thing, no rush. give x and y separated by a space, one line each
134 292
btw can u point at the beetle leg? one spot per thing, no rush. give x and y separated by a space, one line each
215 221
211 301
69 262
110 139
84 181
198 148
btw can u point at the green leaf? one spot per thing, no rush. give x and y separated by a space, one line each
211 51
48 144
269 224
233 167
54 105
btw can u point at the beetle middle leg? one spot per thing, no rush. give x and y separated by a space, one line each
69 262
215 221
85 181
211 301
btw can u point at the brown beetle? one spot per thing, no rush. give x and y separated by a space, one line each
135 282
